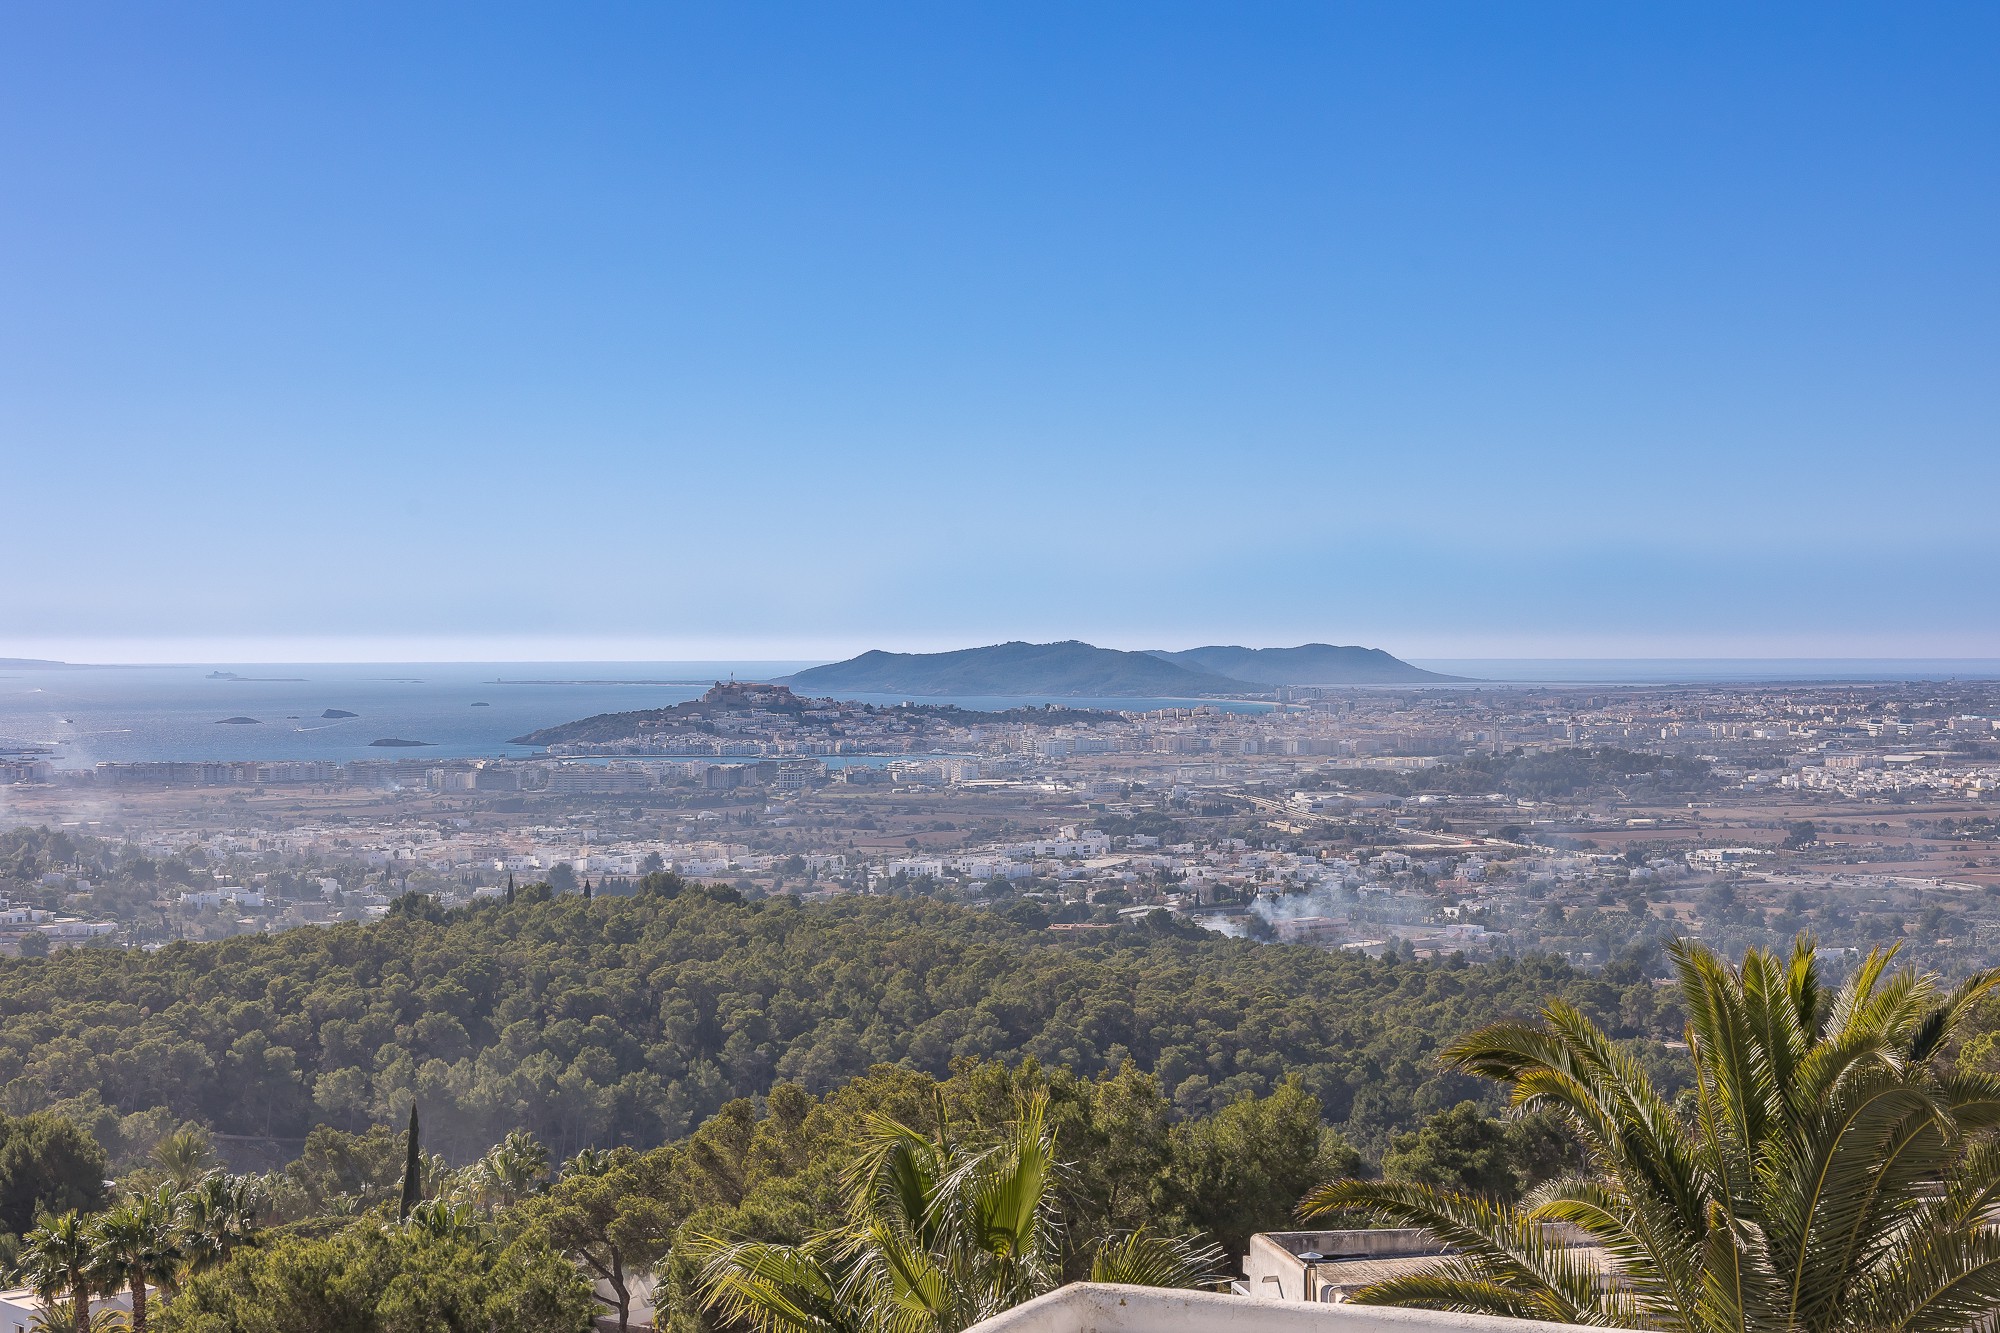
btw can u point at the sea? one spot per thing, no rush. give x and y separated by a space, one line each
461 710
1712 670
79 716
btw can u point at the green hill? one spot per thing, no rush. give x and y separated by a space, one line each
629 1020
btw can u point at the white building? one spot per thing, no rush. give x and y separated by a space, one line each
1103 1307
1325 1266
21 1310
69 928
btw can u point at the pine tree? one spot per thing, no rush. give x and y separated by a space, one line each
413 1185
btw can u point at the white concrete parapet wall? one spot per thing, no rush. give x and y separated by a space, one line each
1096 1307
1275 1265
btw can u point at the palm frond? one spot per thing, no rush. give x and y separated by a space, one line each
1859 989
1495 1241
1738 1290
773 1288
1942 1022
1462 1289
1833 1195
1658 1264
1567 1064
1744 1097
1937 1282
1144 1259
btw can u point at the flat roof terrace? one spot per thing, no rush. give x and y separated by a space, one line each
1093 1307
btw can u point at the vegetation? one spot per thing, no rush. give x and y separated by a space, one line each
772 1176
1018 669
441 1273
939 1235
60 1261
1831 1169
695 717
1538 774
146 1243
47 1165
1464 1149
627 1021
982 1112
988 1186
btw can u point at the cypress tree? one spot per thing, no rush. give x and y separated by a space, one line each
510 886
413 1168
586 890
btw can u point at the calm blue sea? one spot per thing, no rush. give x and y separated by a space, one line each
129 714
1715 670
88 715
91 715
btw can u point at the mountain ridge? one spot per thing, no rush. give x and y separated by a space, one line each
1307 664
1066 668
1072 668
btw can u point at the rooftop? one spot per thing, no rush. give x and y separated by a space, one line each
1328 1266
1090 1307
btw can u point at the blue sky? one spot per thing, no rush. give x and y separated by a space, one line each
658 331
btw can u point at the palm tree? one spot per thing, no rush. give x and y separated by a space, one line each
215 1218
59 1259
1834 1173
185 1155
588 1162
785 1288
134 1244
442 1219
513 1169
1141 1259
939 1237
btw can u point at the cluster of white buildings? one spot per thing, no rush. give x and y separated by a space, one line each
61 932
1861 776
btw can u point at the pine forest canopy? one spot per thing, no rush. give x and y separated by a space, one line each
630 1020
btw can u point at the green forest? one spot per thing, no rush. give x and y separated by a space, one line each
512 1116
607 1085
628 1021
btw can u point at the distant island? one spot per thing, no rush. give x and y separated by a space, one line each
1070 668
338 712
479 704
238 722
1077 669
1307 664
257 680
394 744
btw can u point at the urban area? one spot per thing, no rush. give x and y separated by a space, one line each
1578 821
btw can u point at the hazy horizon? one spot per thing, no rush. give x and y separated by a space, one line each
1521 669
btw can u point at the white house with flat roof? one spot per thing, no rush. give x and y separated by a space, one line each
21 1309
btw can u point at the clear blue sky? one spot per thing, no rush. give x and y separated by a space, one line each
654 330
